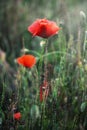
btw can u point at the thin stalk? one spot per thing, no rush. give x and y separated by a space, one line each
45 61
55 52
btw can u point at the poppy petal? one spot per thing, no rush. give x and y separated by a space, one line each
27 60
43 28
17 115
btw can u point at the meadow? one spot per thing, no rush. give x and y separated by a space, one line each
43 65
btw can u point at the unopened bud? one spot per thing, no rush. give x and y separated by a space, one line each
42 43
86 34
24 50
82 14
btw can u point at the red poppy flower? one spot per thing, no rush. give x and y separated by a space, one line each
17 116
44 91
43 28
27 60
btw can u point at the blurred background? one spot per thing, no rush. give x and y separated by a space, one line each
67 68
17 15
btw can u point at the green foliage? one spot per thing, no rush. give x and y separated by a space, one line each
65 107
66 104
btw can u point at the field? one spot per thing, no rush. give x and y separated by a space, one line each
43 65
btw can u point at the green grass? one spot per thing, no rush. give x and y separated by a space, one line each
65 107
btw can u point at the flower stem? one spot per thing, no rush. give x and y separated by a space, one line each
45 61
